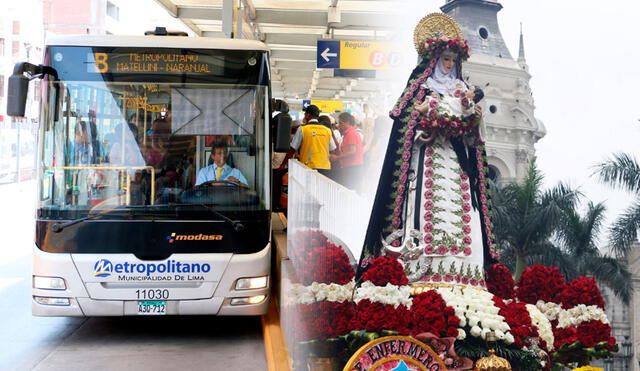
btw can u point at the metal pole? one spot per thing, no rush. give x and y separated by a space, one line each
18 152
227 18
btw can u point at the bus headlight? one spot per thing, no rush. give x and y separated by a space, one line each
252 283
52 301
49 283
250 300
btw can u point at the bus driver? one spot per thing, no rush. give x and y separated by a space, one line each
219 171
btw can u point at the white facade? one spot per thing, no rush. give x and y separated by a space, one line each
511 128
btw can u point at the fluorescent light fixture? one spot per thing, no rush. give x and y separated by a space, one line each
49 283
252 283
52 301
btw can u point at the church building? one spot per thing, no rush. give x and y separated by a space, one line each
511 126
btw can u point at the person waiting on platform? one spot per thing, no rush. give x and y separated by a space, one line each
219 172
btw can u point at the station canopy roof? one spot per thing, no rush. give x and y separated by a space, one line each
291 29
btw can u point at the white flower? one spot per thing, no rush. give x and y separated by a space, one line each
389 294
461 334
320 292
550 309
476 331
579 314
508 338
542 323
476 309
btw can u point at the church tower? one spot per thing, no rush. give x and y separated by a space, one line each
511 129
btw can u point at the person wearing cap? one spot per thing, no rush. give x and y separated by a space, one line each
314 141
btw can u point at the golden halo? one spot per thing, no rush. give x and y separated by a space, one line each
433 26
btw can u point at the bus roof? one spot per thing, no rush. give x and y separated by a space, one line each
157 42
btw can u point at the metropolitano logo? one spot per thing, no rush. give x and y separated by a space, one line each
103 268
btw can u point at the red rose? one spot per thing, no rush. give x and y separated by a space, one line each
500 282
322 320
385 269
430 313
540 283
376 317
582 290
318 260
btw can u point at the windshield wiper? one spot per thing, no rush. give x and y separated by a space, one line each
237 226
58 227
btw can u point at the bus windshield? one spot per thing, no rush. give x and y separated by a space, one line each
152 132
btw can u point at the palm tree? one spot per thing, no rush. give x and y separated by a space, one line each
577 252
623 172
526 217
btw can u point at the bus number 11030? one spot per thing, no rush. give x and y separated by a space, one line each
153 294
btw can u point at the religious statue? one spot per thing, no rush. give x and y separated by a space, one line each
431 209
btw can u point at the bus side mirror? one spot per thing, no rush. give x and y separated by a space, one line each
283 133
19 86
17 95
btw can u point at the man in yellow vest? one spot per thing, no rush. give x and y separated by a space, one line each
314 141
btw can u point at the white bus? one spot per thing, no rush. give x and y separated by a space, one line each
127 125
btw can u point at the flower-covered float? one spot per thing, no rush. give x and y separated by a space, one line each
539 323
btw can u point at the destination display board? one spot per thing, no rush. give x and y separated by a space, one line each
128 64
149 62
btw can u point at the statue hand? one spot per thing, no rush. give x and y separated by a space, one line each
426 138
424 107
471 92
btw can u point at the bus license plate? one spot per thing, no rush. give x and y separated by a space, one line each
152 307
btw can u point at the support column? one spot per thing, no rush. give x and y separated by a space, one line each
228 7
633 259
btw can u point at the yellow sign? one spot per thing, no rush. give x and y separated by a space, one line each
369 55
329 105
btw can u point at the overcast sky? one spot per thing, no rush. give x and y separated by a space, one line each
583 56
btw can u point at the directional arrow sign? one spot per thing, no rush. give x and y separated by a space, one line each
358 55
328 54
306 103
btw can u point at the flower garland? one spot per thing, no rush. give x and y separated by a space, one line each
485 199
321 291
500 282
434 47
581 313
540 283
584 291
445 124
542 324
389 294
406 142
430 313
